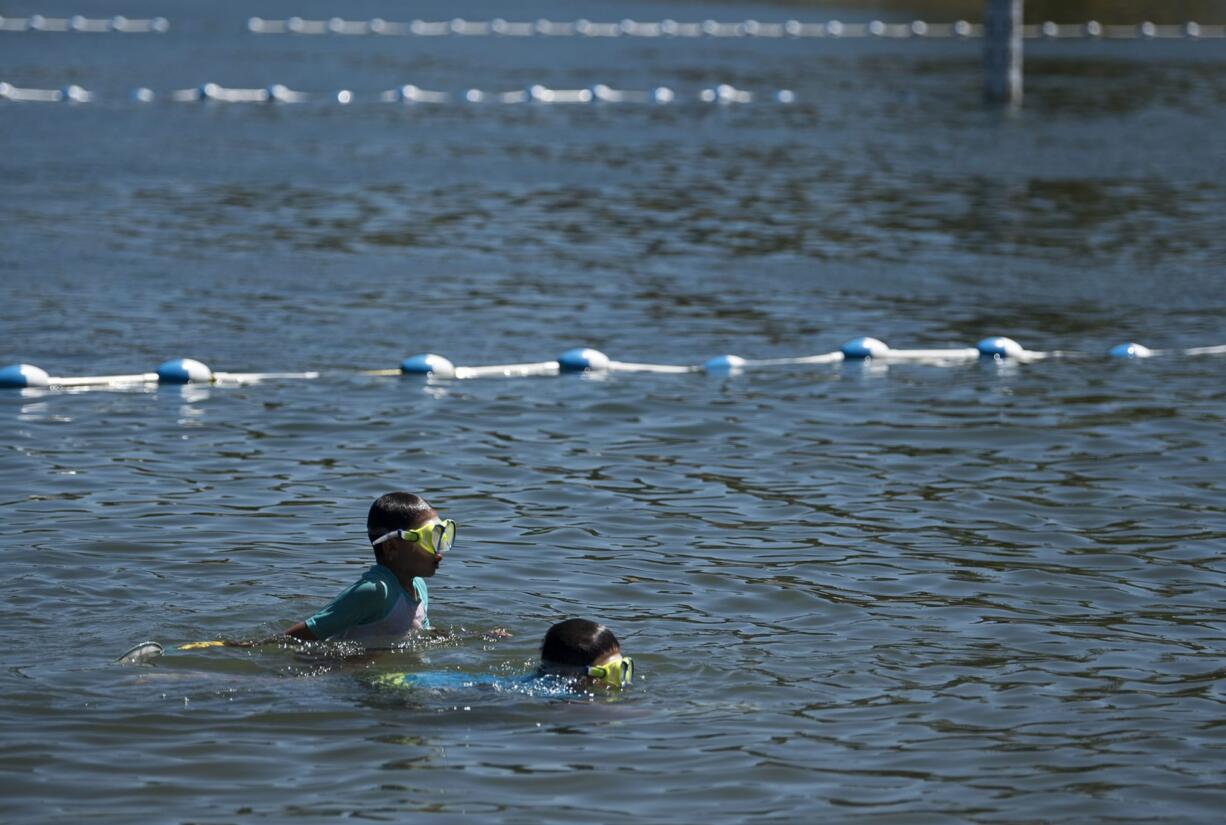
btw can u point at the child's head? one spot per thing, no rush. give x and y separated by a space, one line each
401 511
578 647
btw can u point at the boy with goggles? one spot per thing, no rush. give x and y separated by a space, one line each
576 655
391 600
581 649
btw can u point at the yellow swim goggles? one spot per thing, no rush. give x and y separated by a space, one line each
617 673
435 537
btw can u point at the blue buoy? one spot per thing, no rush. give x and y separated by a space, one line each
581 359
865 348
428 364
724 364
74 94
1130 350
183 371
23 375
999 347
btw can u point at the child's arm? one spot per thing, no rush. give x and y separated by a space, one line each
301 632
354 605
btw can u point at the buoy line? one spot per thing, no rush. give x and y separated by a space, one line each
79 23
751 29
830 29
586 360
723 93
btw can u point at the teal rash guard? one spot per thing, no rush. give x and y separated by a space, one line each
375 610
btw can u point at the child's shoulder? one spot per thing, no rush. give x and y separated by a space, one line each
374 578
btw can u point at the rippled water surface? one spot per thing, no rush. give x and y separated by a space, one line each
987 593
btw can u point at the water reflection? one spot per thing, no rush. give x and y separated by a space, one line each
193 396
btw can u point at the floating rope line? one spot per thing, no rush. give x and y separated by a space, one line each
834 29
71 94
176 371
584 360
408 93
918 29
77 23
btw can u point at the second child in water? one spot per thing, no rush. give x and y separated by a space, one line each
577 656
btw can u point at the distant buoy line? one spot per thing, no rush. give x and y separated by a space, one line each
498 27
585 360
834 29
723 93
78 23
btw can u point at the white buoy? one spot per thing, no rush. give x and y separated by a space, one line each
1130 350
582 359
724 365
859 348
19 376
75 94
428 364
183 371
1000 347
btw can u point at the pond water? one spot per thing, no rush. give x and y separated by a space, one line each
903 593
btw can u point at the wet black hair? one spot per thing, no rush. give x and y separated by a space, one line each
577 642
396 511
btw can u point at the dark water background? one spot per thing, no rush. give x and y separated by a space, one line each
912 594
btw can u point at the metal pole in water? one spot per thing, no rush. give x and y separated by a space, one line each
1002 51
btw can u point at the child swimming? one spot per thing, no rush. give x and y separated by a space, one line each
391 600
577 655
584 650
